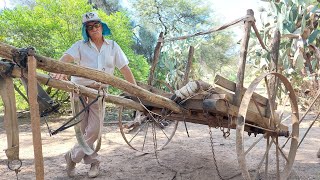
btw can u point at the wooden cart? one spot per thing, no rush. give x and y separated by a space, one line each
229 106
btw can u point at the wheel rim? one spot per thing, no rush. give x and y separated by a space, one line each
282 163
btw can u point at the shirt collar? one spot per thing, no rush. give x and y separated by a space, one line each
91 43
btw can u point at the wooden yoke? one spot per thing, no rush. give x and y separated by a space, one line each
243 56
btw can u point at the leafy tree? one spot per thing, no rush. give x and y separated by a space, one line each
171 15
176 18
145 41
110 6
52 26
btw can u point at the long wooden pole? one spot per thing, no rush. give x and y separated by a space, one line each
239 87
156 56
70 87
35 117
243 57
188 68
52 65
274 82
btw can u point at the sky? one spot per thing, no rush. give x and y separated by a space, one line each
230 10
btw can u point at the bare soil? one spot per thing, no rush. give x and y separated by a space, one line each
183 158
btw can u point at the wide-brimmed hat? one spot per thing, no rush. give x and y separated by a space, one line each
89 17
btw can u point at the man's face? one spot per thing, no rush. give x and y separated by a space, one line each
94 29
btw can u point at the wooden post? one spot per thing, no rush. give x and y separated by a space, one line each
239 86
35 117
243 57
190 56
273 83
156 55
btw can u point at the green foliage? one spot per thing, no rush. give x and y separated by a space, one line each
176 18
171 15
297 22
52 26
145 42
212 54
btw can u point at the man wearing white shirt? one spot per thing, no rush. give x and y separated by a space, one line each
95 52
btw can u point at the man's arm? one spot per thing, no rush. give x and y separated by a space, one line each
67 58
127 74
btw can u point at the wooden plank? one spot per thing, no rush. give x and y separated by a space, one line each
35 117
225 83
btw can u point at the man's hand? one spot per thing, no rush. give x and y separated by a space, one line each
59 76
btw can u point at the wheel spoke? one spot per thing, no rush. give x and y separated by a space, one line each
284 106
282 153
140 128
254 144
271 106
267 159
277 157
262 160
155 120
145 136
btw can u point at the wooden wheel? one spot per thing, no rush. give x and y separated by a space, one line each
270 152
154 133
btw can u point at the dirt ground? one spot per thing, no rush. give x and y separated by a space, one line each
183 158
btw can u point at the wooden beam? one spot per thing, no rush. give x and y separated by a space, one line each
52 65
225 83
69 87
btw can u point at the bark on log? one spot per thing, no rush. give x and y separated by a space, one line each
51 65
69 87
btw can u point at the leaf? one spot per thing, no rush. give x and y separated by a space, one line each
304 21
313 36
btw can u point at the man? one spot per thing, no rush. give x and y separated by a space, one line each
94 51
